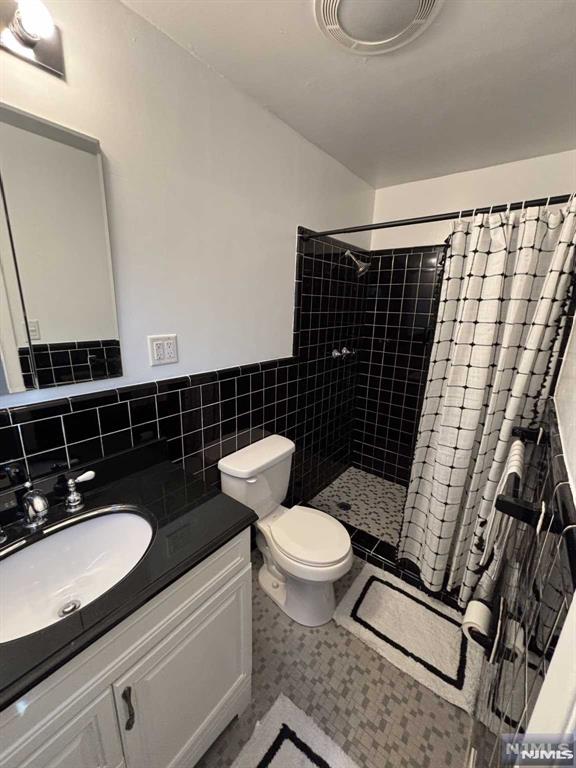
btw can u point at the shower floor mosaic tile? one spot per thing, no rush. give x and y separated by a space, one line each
365 501
379 716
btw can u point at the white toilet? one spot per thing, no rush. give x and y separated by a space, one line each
305 551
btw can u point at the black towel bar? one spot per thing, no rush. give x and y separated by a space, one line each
526 512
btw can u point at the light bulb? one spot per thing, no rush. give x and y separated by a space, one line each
13 43
33 21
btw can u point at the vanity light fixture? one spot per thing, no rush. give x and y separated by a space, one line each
27 30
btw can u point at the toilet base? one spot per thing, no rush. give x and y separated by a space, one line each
273 585
310 603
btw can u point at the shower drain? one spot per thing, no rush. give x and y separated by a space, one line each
344 506
70 607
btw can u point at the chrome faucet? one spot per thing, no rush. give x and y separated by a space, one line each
344 353
35 506
74 500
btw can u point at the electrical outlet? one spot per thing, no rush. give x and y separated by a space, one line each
158 351
171 349
163 350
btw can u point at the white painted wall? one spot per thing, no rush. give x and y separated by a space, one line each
510 182
205 191
555 708
58 222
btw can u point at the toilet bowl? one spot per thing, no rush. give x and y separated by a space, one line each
304 550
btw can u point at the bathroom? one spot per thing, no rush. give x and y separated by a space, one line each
287 365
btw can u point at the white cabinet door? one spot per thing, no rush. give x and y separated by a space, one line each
89 739
173 703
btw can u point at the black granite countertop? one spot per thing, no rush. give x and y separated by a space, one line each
190 522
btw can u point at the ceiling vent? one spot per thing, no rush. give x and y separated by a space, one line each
370 27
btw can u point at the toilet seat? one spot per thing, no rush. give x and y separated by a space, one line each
310 537
307 544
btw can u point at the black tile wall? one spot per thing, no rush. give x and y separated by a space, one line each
11 444
304 401
328 317
70 362
81 426
308 398
394 354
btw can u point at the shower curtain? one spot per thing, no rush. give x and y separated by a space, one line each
507 280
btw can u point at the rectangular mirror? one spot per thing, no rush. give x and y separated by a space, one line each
58 320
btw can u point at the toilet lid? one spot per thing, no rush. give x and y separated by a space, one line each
310 536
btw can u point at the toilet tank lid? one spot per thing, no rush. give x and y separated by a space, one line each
257 457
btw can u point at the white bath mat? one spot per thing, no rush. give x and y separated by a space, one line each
416 633
287 738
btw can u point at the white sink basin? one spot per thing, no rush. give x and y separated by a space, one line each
54 577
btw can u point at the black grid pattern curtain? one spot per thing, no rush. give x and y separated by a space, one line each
506 282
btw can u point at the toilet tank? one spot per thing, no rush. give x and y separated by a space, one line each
258 475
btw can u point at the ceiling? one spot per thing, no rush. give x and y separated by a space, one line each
491 81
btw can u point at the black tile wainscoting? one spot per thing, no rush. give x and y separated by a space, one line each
202 417
308 398
394 354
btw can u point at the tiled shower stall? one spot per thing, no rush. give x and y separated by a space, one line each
394 352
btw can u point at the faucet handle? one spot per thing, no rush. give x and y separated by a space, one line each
74 500
89 475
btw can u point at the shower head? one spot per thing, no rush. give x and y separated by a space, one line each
361 266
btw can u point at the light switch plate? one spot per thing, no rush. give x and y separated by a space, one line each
163 350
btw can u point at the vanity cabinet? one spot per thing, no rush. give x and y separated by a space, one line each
156 690
173 693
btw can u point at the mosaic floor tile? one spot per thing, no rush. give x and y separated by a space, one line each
378 715
365 501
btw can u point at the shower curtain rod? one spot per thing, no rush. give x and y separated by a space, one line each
558 200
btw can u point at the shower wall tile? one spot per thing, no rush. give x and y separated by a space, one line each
328 299
394 354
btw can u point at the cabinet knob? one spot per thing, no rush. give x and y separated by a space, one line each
127 697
